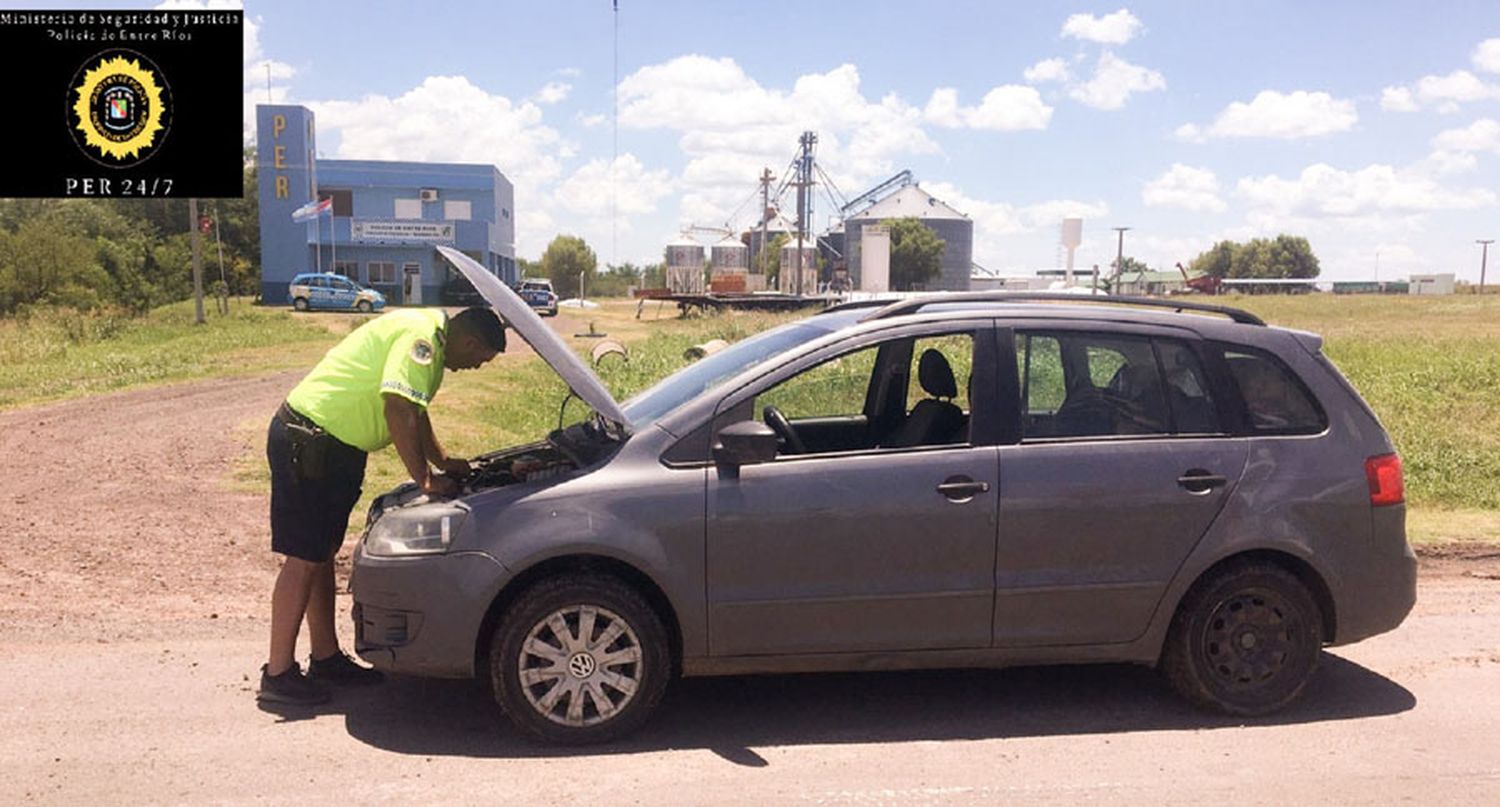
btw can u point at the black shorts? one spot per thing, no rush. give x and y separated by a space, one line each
310 511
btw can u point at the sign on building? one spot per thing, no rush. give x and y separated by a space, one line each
400 231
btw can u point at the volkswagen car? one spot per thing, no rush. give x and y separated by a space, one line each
326 290
959 480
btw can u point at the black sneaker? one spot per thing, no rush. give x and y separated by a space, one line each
292 687
342 670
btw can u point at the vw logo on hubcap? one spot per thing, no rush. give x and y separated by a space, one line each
581 665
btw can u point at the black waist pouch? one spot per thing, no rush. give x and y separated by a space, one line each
309 451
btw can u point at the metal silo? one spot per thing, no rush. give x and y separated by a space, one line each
684 265
956 230
788 276
730 260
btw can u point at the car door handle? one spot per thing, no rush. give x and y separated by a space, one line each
962 488
1197 480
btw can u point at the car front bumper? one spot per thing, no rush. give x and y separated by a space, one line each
421 615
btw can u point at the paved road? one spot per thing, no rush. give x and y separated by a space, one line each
132 586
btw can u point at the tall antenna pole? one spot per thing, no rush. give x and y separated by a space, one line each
197 261
614 93
1484 259
765 218
268 82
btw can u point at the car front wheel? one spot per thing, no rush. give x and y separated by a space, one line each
1245 640
300 304
579 659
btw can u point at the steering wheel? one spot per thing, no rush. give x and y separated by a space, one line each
783 428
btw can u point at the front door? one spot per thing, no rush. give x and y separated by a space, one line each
411 288
1121 469
844 543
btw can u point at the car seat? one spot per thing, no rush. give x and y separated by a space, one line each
934 420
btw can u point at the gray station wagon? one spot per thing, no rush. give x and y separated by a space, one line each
944 481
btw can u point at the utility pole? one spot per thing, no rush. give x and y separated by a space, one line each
804 202
197 261
765 218
1484 258
1119 260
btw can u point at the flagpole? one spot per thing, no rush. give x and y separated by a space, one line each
318 242
333 241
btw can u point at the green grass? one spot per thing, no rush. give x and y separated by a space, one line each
61 353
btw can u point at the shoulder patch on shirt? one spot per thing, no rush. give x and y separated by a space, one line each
421 352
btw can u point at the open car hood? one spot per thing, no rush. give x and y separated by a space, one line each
542 339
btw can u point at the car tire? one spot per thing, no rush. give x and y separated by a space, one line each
1245 640
365 307
536 673
300 303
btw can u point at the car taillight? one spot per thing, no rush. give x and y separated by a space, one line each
1384 475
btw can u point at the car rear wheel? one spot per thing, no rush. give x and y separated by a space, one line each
300 304
365 307
1245 640
579 659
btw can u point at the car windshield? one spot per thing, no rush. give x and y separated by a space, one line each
687 383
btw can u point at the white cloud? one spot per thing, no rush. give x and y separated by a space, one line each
1285 116
1486 56
569 72
1481 135
1398 99
553 92
1324 191
1048 70
1110 29
587 191
731 127
1445 93
1185 187
592 120
1007 108
446 119
1114 81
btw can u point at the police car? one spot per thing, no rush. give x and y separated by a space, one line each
328 290
537 292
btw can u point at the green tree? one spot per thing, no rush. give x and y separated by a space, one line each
1285 256
566 260
1131 266
42 262
770 259
1216 261
916 253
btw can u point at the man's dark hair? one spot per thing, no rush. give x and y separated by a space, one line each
481 322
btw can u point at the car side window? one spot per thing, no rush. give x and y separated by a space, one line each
1111 385
1275 401
1188 395
318 282
835 388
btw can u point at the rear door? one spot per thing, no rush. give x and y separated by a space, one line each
847 546
1121 466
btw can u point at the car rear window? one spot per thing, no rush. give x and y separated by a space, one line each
1276 401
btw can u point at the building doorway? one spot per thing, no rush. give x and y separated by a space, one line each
411 288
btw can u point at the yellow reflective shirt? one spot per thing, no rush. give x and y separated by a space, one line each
399 353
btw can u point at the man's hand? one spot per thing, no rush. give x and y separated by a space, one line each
436 485
456 467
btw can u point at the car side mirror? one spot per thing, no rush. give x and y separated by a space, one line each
748 442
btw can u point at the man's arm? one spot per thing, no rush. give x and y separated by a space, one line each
406 423
436 455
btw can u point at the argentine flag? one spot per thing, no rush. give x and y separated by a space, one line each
312 210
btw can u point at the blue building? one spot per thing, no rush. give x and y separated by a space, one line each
387 217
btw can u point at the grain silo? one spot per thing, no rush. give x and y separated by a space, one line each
956 230
684 265
788 277
730 263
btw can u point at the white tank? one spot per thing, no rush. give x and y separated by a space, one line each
684 265
730 255
788 278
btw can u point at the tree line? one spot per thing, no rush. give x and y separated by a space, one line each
129 254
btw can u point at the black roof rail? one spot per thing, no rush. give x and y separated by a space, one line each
914 304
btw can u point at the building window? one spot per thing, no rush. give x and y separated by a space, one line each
349 269
381 272
457 211
408 208
343 201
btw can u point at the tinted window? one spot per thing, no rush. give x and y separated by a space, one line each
1275 401
1193 410
1109 385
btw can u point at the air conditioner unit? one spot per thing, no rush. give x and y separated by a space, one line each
429 194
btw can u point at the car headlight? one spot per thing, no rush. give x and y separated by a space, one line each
423 530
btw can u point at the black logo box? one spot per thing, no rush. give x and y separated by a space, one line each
198 54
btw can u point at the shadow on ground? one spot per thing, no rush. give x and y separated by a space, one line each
730 716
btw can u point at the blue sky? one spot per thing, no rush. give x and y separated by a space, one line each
1369 127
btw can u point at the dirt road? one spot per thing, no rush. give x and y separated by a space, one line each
132 591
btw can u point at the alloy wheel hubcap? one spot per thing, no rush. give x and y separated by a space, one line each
580 666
